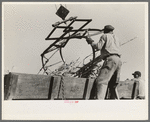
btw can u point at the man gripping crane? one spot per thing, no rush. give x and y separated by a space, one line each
109 74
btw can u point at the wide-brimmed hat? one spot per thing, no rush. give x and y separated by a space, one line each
108 28
137 73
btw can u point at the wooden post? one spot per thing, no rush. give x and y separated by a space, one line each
11 83
135 90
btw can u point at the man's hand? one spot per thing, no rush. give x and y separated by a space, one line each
89 40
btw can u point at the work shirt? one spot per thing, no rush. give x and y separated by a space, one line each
112 45
141 86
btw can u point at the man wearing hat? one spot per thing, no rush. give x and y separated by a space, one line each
109 74
137 78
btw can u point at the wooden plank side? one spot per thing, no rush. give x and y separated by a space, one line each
28 86
6 86
74 88
12 86
32 86
45 87
125 89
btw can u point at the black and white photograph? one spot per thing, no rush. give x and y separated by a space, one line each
75 61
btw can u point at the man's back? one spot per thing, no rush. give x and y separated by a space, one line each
112 45
141 86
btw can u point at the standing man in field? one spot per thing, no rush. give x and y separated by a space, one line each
109 74
141 88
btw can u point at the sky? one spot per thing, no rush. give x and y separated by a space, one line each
26 25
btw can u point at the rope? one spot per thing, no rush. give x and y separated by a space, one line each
56 7
65 5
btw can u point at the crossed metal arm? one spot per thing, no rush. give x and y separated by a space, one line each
61 41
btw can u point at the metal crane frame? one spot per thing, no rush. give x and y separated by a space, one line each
68 29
